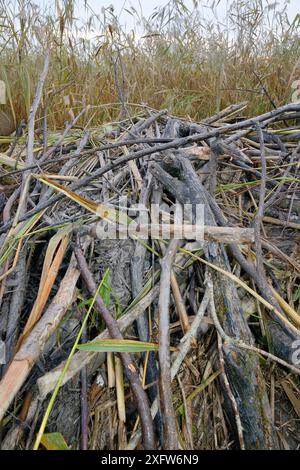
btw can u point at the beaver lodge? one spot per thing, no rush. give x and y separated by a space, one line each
149 273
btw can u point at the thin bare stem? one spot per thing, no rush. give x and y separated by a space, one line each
129 367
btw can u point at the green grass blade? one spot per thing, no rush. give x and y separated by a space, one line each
118 345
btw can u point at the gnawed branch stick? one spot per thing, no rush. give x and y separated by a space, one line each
168 414
238 235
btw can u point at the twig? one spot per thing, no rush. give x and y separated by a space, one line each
85 153
129 367
30 140
229 393
273 197
47 382
84 401
221 357
227 339
265 90
225 112
59 142
177 359
176 143
6 216
19 292
188 419
180 305
238 235
36 406
260 213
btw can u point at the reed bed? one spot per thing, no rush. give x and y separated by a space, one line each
175 59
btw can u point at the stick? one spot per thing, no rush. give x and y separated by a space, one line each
238 235
129 367
187 188
30 141
176 143
226 112
168 414
229 340
177 359
84 401
47 382
21 274
70 156
231 396
260 213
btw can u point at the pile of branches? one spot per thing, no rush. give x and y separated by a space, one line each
214 321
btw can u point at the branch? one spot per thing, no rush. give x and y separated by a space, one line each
168 414
129 367
176 143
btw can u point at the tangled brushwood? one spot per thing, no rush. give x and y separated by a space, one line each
150 341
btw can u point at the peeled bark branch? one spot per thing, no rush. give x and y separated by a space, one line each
168 415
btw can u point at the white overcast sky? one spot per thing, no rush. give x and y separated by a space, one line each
147 7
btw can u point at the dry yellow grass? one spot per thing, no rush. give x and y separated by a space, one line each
183 63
